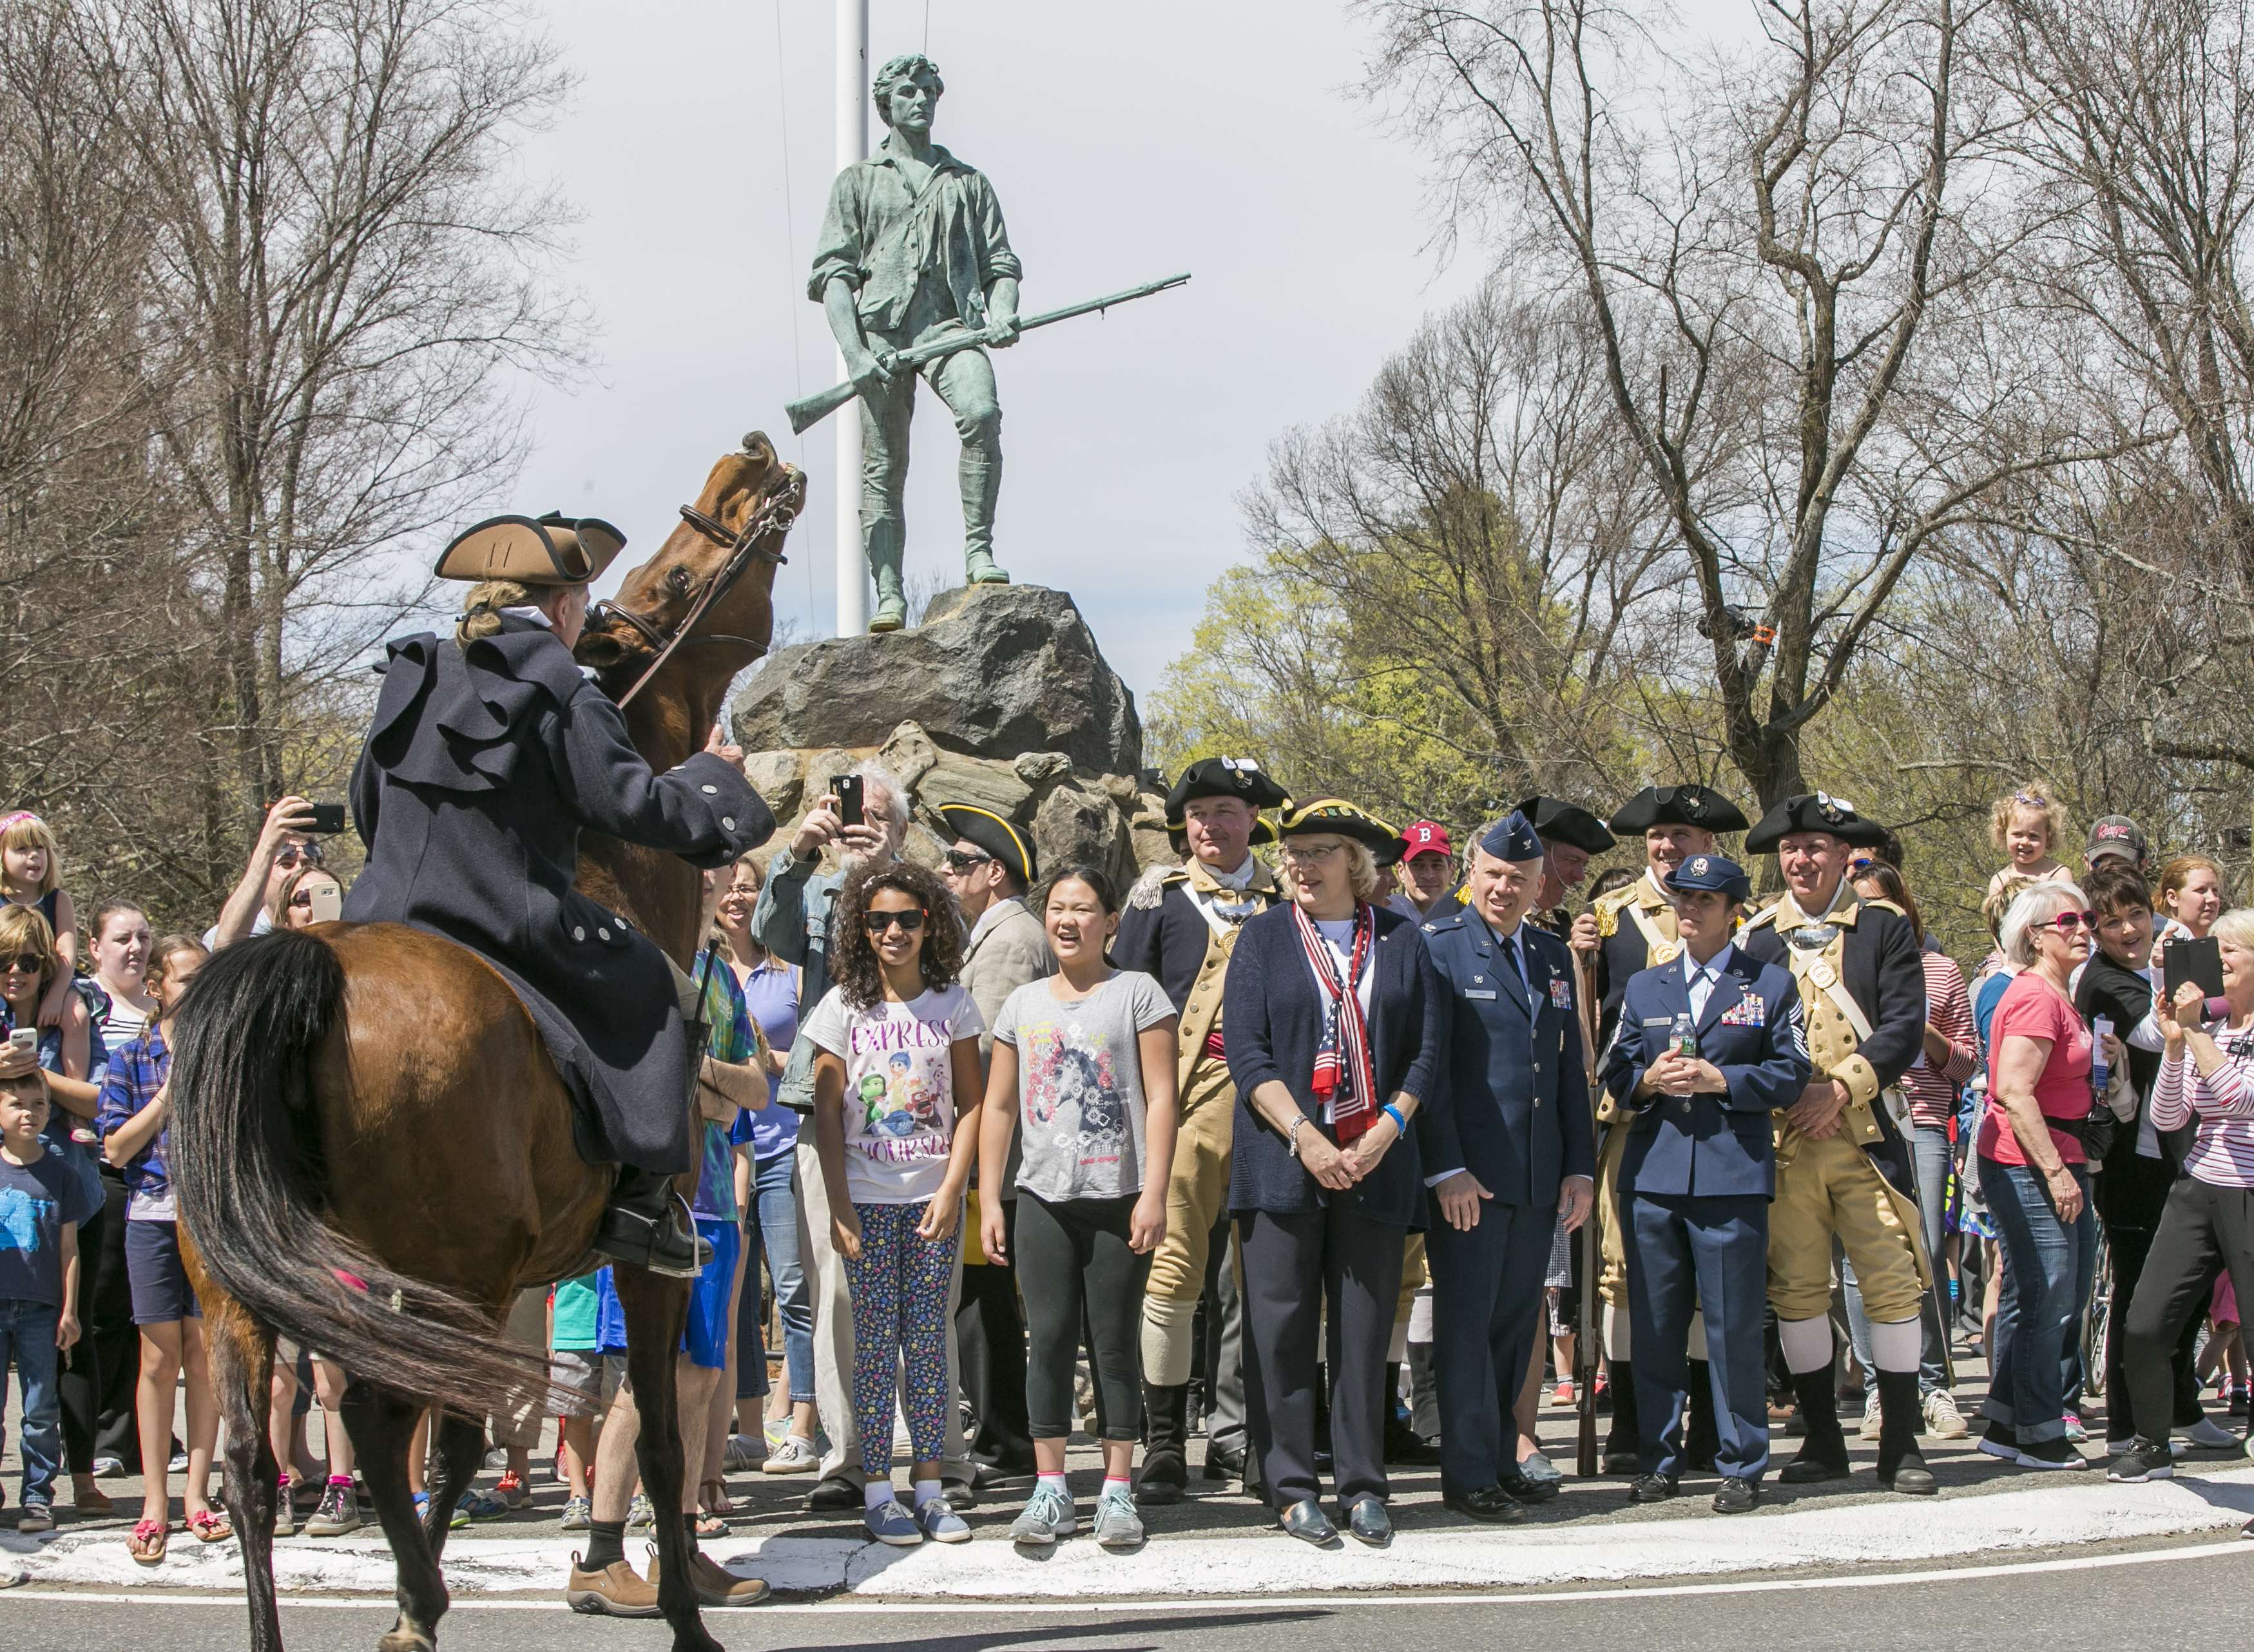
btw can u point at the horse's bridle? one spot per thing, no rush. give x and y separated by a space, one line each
775 515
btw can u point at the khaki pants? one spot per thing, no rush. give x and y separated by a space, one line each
833 1332
518 1423
1830 1187
1612 1243
1197 1192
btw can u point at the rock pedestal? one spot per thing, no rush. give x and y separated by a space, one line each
1000 698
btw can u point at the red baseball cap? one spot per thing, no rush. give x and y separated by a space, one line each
1426 837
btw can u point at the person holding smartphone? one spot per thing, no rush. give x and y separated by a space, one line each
287 842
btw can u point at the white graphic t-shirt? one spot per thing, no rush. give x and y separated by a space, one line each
1080 1084
900 1088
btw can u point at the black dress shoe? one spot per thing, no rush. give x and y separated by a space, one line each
1224 1462
1651 1488
1809 1470
1489 1505
1159 1492
1367 1519
1401 1445
959 1494
983 1475
1737 1496
834 1497
1527 1490
1304 1520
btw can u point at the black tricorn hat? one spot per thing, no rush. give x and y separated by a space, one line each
1699 806
1558 822
994 834
1237 777
1328 814
532 550
1814 812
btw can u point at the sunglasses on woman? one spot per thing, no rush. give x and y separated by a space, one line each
2068 921
877 922
26 963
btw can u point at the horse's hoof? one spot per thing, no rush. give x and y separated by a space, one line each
407 1638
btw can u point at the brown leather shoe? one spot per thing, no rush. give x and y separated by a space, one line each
615 1592
716 1585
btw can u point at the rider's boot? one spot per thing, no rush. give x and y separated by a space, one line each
646 1226
885 561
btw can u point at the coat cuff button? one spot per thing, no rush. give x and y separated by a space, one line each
711 791
603 933
578 933
727 823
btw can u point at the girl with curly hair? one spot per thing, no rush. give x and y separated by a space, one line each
896 1094
2028 825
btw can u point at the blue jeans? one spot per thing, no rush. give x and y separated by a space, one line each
1930 1154
778 1212
27 1336
2047 1268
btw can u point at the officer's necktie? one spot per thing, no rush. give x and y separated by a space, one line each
1702 988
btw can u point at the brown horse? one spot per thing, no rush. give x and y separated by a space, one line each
374 1151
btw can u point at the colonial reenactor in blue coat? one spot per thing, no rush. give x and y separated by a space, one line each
1180 927
1635 930
1842 1160
1507 1147
489 753
1708 1045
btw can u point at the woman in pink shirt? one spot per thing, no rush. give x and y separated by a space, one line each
2034 1174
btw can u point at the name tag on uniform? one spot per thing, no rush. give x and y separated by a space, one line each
1561 994
1747 1012
1659 1020
1472 992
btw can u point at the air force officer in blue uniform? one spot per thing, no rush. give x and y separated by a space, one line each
1508 1147
1699 1172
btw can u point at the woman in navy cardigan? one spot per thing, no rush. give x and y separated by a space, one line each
1326 1182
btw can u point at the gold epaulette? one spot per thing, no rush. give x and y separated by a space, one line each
1608 909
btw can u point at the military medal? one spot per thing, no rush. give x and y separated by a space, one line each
1665 952
1822 973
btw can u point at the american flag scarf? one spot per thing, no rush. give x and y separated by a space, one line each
1342 1073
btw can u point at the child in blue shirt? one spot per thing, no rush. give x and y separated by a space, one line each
42 1201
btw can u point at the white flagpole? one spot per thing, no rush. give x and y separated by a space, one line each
853 145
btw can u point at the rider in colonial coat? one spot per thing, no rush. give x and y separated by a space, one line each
488 755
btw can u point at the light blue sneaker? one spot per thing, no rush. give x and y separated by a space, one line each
940 1523
1048 1516
891 1523
1118 1524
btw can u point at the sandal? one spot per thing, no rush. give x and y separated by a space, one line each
710 1526
146 1545
207 1527
713 1496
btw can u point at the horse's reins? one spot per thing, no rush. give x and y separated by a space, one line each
777 513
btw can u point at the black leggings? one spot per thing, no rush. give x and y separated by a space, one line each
1073 1260
2202 1226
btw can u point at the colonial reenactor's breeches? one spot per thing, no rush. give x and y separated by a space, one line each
1197 1192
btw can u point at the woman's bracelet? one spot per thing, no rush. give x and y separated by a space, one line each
1393 1112
1291 1136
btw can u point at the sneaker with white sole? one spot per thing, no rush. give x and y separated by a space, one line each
577 1512
741 1454
639 1512
2054 1452
1048 1515
1872 1425
1118 1524
2207 1435
1942 1419
338 1514
2075 1433
794 1456
889 1523
2145 1460
2115 1447
940 1521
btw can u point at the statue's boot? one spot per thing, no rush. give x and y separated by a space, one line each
979 475
892 597
979 568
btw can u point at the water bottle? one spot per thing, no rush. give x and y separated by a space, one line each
2101 1074
1683 1038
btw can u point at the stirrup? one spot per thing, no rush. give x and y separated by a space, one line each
634 1238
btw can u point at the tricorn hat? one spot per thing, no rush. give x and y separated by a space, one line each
994 834
1814 812
1699 806
1328 814
1559 822
543 550
1237 777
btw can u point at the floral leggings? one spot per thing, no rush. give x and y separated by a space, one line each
898 1289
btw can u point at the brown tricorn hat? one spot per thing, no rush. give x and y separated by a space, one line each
545 551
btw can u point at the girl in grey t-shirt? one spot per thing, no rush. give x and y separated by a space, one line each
1083 1067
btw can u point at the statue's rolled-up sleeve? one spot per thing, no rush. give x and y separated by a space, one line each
841 250
993 235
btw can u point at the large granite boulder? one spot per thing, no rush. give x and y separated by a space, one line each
994 672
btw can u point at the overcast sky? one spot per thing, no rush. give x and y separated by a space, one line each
1126 143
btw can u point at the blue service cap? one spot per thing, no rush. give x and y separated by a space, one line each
1513 837
1718 872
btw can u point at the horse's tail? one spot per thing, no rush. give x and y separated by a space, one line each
250 1177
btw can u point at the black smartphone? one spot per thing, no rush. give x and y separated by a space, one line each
328 820
2185 959
847 789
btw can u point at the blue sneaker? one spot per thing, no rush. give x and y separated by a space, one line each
940 1521
1048 1516
1118 1525
889 1523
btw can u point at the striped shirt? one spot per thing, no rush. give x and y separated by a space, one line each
2223 1155
1931 1091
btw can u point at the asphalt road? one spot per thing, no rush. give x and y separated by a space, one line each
2176 1594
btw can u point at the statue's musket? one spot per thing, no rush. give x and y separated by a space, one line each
815 408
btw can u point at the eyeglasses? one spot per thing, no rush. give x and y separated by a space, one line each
26 963
1861 864
958 861
877 922
2067 922
1310 854
295 852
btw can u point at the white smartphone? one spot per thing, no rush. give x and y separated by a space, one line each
328 898
23 1037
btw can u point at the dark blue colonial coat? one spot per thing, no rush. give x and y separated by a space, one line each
481 769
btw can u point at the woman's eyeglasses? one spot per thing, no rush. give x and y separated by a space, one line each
877 922
26 963
2070 922
1310 854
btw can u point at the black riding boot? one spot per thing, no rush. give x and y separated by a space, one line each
1823 1453
1701 1438
1901 1465
1624 1444
646 1226
1165 1450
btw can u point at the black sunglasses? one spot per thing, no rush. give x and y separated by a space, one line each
957 861
877 922
296 852
27 963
